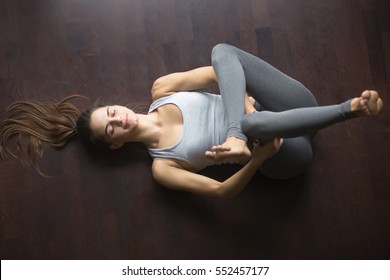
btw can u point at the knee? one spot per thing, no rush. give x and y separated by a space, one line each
221 47
219 51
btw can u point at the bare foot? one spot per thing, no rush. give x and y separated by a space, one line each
232 148
368 104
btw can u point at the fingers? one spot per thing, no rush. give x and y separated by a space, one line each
220 148
213 154
210 155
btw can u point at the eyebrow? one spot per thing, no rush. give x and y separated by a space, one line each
105 130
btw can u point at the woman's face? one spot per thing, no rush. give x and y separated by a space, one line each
113 124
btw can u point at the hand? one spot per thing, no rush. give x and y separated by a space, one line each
232 148
261 153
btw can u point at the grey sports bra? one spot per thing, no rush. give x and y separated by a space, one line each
204 125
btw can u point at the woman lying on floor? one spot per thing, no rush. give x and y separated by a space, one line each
186 131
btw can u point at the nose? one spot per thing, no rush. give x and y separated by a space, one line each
115 121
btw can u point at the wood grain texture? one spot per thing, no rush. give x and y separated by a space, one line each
107 206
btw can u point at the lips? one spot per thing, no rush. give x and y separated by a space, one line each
126 122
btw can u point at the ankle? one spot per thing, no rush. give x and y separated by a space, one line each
350 108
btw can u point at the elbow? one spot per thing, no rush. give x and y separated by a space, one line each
156 87
220 191
160 87
227 195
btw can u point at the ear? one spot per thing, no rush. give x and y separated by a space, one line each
116 146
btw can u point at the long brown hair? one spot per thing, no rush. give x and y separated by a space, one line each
36 122
56 123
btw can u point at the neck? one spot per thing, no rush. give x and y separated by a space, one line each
148 130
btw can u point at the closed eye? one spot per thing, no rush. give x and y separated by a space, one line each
109 130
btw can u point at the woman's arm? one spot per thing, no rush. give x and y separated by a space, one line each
171 175
181 81
190 80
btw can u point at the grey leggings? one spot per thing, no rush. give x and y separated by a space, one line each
288 109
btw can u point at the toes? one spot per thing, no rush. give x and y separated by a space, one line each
366 94
372 103
379 105
374 96
368 104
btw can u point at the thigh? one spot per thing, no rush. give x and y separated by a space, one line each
274 90
293 159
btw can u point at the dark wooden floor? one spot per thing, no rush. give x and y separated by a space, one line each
108 206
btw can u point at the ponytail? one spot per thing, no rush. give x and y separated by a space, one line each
36 122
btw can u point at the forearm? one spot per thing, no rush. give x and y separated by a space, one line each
238 181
